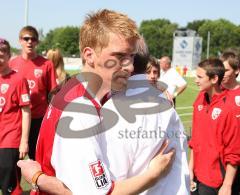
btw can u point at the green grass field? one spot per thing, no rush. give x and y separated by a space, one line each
183 107
184 103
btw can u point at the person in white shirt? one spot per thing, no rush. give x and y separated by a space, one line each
144 121
176 84
69 142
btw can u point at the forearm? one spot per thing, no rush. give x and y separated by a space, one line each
26 120
131 186
134 185
180 90
52 185
230 175
191 160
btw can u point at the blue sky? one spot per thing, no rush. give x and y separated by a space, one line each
49 14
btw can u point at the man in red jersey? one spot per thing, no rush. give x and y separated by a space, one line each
41 78
15 118
231 62
215 139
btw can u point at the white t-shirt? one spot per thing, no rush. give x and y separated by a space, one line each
138 134
172 79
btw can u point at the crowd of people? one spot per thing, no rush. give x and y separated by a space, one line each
113 128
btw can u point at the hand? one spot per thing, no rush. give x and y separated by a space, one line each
161 164
192 183
169 97
29 168
23 150
225 190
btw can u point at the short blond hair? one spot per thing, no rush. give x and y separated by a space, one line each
28 30
96 28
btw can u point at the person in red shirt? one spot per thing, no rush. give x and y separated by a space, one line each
41 78
215 143
15 116
230 60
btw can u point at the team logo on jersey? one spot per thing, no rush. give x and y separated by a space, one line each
200 107
215 113
38 73
25 98
99 175
2 101
237 100
31 84
4 88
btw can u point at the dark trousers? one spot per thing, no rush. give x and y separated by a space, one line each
33 136
203 189
8 169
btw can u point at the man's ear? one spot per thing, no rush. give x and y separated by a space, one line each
237 72
88 55
215 79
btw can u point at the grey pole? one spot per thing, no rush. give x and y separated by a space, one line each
26 12
208 43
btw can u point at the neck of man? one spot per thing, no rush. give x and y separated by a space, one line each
29 56
231 85
214 91
95 83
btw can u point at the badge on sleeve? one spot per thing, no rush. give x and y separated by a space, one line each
237 100
98 174
25 98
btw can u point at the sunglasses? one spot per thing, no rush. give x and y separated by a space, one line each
33 39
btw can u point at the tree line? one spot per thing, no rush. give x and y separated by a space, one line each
158 34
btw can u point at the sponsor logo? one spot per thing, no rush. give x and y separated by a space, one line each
238 116
31 84
2 101
200 107
38 73
237 100
25 98
215 113
4 88
99 175
0 109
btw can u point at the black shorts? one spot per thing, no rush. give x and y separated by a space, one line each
33 136
8 171
203 189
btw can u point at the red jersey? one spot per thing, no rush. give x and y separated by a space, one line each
41 78
14 94
215 137
234 97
